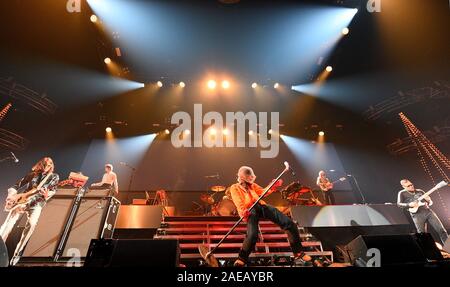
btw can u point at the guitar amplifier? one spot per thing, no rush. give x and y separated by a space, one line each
68 191
94 218
99 192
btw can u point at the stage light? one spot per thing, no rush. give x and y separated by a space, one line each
93 18
254 85
107 60
270 131
182 84
166 131
225 84
345 31
212 131
276 86
108 129
321 133
159 84
187 132
212 84
356 10
225 132
250 132
329 69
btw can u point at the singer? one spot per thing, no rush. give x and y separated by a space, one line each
109 179
244 193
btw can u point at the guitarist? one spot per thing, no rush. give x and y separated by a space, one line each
326 186
34 207
407 198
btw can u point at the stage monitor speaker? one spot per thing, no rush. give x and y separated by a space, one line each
133 253
46 235
4 259
394 249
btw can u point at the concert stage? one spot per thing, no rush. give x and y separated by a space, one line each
163 134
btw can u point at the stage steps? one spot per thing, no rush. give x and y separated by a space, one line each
272 242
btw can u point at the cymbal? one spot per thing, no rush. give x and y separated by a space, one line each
206 198
218 188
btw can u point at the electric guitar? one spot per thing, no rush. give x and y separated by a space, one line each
420 201
22 199
327 186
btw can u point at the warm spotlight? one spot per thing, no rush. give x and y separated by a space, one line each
107 61
250 132
345 31
225 132
276 86
166 131
93 18
329 69
225 84
212 84
108 129
212 131
182 84
321 133
270 131
159 84
187 132
254 85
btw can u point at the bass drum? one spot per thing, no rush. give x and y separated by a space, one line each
225 207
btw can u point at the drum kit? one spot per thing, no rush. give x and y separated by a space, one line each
218 202
297 194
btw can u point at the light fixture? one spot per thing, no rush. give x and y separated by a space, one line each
225 84
212 84
93 18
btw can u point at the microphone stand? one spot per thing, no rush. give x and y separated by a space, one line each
356 184
133 170
358 188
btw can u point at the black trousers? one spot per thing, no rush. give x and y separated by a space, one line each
428 216
269 213
329 197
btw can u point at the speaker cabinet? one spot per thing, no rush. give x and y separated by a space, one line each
96 218
93 218
394 249
45 238
133 253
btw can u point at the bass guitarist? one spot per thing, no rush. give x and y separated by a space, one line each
408 198
41 176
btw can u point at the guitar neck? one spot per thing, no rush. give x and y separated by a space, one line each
430 192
